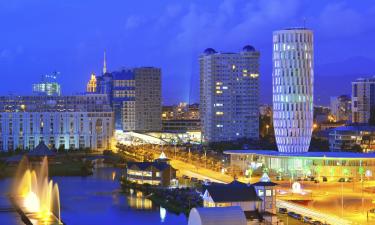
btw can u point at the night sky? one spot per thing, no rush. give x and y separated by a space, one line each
38 37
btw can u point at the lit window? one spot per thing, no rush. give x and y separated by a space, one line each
219 113
254 75
233 67
260 193
219 125
225 87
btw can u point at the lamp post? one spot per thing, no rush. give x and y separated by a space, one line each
342 198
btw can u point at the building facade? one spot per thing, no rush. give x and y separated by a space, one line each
181 118
363 99
48 86
147 99
62 122
159 172
135 96
229 95
181 126
182 111
341 107
292 78
355 138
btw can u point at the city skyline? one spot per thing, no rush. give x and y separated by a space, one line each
78 52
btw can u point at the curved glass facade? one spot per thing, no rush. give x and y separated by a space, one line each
292 78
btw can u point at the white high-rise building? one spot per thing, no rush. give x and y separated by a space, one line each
293 78
229 95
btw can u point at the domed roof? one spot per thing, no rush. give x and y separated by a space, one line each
248 48
209 51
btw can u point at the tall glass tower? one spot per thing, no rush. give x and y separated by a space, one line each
292 79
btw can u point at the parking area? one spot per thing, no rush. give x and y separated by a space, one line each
287 220
310 216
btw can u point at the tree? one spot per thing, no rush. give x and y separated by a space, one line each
356 148
61 148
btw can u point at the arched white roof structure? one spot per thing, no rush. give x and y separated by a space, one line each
133 138
217 216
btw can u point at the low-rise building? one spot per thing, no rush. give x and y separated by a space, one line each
257 201
358 138
181 126
232 194
158 172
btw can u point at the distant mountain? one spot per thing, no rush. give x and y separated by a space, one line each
335 78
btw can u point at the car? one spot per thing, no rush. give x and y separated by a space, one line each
307 219
295 215
316 222
298 216
324 179
342 179
279 178
283 210
194 179
207 182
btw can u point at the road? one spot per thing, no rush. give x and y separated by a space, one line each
200 172
331 219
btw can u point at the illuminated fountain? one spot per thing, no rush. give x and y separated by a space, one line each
35 195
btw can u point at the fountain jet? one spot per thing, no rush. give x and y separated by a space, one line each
34 194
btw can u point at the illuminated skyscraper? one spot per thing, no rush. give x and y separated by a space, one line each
363 103
48 85
229 95
91 85
292 77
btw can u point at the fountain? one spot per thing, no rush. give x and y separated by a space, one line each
35 196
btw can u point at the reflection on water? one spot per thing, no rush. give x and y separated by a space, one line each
98 200
163 214
137 202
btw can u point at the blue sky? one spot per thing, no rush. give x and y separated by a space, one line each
69 36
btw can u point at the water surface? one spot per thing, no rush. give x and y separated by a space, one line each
97 200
